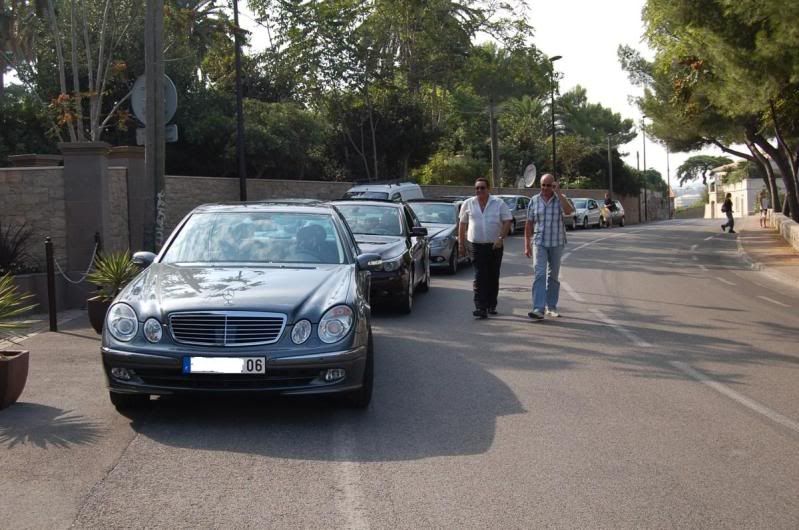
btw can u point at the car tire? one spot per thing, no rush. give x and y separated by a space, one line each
406 304
585 223
621 222
360 399
453 261
424 285
512 228
127 402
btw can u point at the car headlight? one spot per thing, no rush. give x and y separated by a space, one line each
390 265
122 322
300 332
441 242
335 324
153 331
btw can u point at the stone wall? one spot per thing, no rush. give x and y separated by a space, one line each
787 227
34 196
118 239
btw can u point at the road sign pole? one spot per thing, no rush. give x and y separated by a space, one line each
154 147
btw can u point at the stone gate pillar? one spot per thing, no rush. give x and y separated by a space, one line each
141 196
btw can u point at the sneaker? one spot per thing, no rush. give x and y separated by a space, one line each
552 313
492 310
480 313
733 232
536 314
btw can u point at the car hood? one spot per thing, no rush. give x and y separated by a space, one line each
435 230
386 246
304 292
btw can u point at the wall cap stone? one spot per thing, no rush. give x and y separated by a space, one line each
84 148
127 151
35 160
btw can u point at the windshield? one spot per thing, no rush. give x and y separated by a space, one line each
371 219
510 201
580 203
256 237
435 213
379 195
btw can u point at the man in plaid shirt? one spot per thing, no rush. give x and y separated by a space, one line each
548 234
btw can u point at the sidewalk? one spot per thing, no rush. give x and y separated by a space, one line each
767 251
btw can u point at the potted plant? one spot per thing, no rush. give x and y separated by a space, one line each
13 363
111 273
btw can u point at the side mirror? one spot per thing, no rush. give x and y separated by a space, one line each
143 259
419 231
369 262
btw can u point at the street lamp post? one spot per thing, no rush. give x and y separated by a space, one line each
552 109
668 181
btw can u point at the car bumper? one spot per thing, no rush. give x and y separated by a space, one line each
439 257
389 284
289 375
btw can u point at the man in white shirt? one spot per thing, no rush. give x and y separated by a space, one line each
484 224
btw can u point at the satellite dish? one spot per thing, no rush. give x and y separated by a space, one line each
529 176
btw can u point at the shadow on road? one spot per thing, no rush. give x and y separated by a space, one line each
45 427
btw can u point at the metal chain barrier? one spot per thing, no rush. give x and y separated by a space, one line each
85 274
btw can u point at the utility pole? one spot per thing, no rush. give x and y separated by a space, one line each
154 144
668 181
646 204
552 109
239 108
492 118
610 170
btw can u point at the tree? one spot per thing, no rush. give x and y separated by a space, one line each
698 166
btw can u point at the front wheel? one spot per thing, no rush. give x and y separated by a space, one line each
360 399
621 222
424 286
453 261
406 304
585 223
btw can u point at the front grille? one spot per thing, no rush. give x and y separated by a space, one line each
276 379
226 328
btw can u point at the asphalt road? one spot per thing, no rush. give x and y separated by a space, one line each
666 396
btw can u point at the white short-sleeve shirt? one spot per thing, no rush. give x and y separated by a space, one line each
485 226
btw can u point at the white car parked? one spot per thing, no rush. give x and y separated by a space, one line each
587 212
403 191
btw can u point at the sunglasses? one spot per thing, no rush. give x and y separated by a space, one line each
480 188
546 185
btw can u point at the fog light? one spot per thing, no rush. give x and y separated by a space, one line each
120 373
335 374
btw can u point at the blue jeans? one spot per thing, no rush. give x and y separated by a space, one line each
546 286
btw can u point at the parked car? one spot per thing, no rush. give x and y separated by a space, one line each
586 212
518 207
392 231
404 191
616 215
248 298
440 217
570 221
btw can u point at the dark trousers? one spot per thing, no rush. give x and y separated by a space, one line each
730 221
486 261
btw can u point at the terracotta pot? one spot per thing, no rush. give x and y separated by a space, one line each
97 308
13 375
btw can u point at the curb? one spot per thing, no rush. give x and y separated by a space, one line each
757 266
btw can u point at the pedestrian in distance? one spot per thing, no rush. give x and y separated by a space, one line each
484 223
727 209
610 207
764 206
544 240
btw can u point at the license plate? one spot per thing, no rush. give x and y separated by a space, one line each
224 365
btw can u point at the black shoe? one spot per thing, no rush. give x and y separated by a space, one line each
480 313
492 310
732 232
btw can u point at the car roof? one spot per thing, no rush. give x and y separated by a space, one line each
373 202
440 201
290 206
510 195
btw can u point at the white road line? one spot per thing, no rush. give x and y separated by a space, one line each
704 269
621 329
350 501
728 282
574 294
565 257
767 299
732 394
693 248
709 238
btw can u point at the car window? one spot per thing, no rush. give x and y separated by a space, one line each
435 212
379 195
256 237
396 197
410 219
580 203
592 204
618 204
510 201
525 202
372 219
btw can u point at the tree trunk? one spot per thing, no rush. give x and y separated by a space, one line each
789 179
768 171
495 174
372 128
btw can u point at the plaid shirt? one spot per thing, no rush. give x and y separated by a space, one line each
548 218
